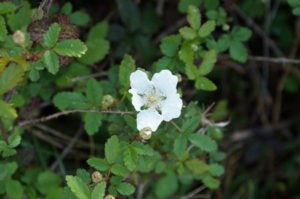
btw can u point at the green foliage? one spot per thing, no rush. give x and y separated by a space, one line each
69 100
207 28
204 142
126 68
10 77
112 149
70 47
51 36
194 17
99 191
170 44
125 188
92 122
3 30
78 187
6 7
79 18
51 61
98 163
166 186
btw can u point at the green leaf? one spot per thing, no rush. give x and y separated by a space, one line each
10 77
67 8
238 52
3 30
92 122
208 62
97 50
51 36
112 190
98 163
71 47
130 121
126 68
186 53
6 7
197 166
190 125
296 11
78 187
99 191
216 169
14 140
220 111
20 19
79 18
194 17
34 75
205 84
69 100
119 170
129 14
166 186
98 31
187 33
130 158
211 182
112 149
207 28
94 92
239 33
84 175
191 71
170 45
183 5
160 167
14 189
125 188
6 111
48 182
142 149
51 61
203 142
180 145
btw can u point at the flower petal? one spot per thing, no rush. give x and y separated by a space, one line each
165 82
148 118
139 81
171 108
137 101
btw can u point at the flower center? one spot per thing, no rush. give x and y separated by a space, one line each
152 99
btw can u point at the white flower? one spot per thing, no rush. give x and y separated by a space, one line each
157 100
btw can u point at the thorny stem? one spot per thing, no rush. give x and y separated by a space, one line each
56 115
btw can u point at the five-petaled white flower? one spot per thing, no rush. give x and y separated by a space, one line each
157 100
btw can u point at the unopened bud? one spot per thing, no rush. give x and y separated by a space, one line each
109 197
107 101
19 37
146 133
97 177
179 77
225 27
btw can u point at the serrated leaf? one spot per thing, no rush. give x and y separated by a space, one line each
186 53
203 83
20 19
207 28
34 75
97 50
99 191
241 34
238 52
51 36
84 175
180 145
170 45
92 122
10 77
69 100
98 163
79 18
14 189
194 17
71 47
6 111
211 182
94 92
130 121
67 8
98 31
125 188
216 169
166 186
51 61
191 71
6 7
183 5
130 159
129 14
3 30
190 125
187 33
119 170
78 187
14 140
204 142
47 182
126 68
142 149
112 149
196 166
208 62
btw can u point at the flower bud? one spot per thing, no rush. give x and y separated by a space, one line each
179 77
19 37
97 177
109 197
107 101
146 133
225 27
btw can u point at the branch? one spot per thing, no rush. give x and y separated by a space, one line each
67 112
